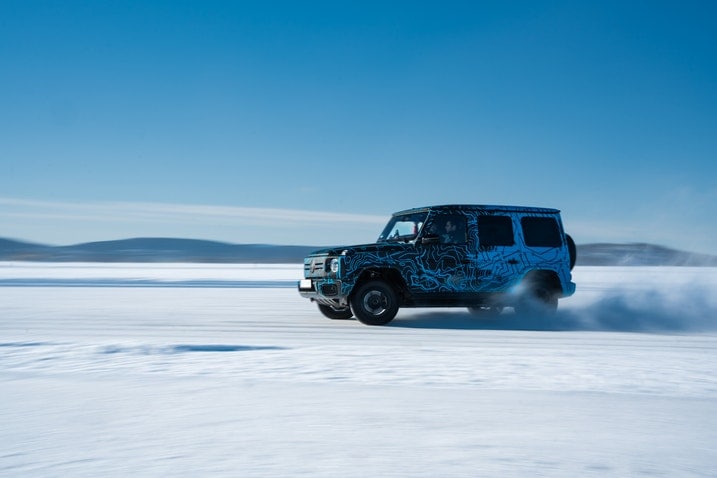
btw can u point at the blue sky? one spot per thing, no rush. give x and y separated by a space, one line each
310 122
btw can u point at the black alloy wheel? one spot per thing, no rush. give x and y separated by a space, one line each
375 303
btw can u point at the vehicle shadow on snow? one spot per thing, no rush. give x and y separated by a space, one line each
461 320
617 313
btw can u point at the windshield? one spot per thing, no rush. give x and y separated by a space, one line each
403 228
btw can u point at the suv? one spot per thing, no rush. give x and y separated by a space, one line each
481 257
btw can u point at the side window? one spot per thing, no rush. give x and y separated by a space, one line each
451 228
495 231
541 232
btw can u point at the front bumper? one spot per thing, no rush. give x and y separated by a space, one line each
323 291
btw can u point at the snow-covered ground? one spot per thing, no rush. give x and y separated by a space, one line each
223 370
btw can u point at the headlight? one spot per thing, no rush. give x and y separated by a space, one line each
334 265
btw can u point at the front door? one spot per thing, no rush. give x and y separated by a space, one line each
444 257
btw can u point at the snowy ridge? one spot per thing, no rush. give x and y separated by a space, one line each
93 274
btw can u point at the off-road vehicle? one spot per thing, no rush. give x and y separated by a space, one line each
485 258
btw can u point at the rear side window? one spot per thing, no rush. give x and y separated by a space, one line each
495 231
541 232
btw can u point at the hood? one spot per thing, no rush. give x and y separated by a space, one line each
359 248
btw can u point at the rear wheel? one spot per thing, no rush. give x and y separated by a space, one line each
335 313
538 299
374 303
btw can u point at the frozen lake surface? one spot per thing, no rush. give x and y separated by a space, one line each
223 370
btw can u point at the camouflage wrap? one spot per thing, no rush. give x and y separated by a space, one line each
425 270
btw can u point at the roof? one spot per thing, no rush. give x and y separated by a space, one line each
480 207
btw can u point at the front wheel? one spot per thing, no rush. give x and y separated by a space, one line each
335 313
375 303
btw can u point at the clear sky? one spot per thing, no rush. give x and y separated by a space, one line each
310 122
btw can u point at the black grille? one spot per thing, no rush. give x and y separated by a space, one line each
329 289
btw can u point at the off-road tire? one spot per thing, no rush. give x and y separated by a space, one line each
335 314
572 250
538 299
374 303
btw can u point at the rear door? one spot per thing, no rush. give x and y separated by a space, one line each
498 258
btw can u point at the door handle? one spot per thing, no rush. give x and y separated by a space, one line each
513 261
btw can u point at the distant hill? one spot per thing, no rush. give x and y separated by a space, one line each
17 250
154 250
192 250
